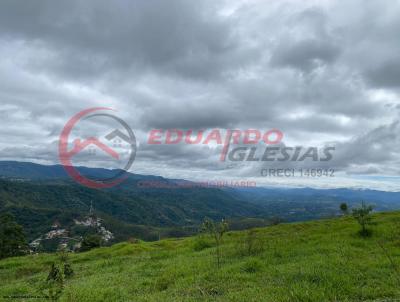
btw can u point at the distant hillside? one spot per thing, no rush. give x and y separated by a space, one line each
383 200
317 261
297 204
38 195
32 171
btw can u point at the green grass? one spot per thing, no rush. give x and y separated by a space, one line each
315 261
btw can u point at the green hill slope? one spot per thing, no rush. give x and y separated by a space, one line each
36 205
315 261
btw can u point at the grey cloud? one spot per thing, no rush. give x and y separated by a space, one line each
190 117
375 152
386 75
305 55
88 39
368 35
379 147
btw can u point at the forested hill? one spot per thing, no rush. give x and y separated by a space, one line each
38 195
37 204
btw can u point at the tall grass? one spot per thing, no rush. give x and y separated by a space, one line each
323 260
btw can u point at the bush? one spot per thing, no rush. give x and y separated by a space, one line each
133 240
66 266
216 230
54 285
200 244
91 242
60 271
363 217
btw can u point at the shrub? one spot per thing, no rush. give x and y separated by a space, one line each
68 271
54 285
66 266
363 216
200 244
133 240
90 242
59 271
216 230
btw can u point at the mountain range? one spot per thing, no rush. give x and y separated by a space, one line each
37 195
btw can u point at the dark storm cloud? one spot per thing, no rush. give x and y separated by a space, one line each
87 39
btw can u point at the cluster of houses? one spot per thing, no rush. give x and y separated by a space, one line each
62 235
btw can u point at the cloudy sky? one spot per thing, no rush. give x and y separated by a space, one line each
323 72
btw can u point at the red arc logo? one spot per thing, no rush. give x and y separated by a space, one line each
66 156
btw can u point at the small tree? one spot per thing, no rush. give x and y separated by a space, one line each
363 216
90 242
60 271
344 208
216 230
54 285
12 237
66 265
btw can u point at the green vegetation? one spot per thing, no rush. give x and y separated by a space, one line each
12 237
60 271
216 230
363 216
251 244
317 261
91 242
131 212
344 208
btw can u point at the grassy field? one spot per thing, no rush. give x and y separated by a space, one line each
314 261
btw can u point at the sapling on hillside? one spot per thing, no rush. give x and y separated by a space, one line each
54 285
66 265
363 216
216 230
60 271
